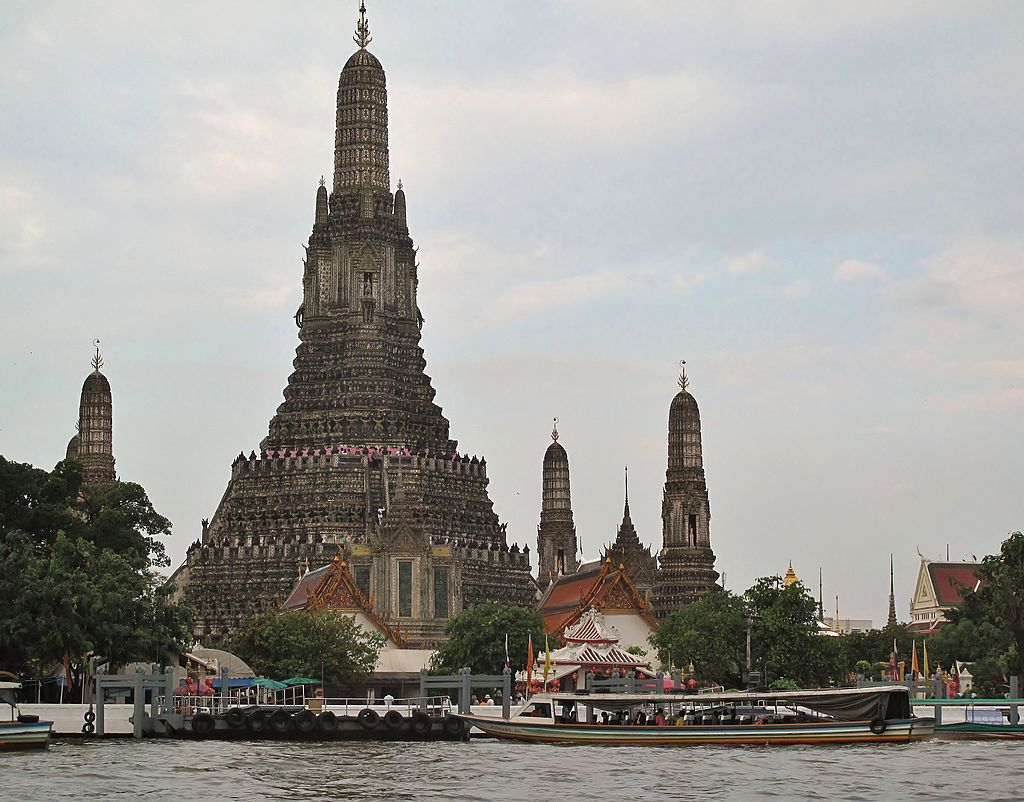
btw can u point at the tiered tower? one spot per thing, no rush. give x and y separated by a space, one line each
556 534
358 420
93 445
628 550
687 564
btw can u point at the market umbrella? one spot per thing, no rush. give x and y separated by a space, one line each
270 684
300 681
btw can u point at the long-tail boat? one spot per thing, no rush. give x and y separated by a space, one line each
843 716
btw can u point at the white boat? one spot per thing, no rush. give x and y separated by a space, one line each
22 732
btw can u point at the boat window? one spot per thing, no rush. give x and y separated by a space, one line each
536 710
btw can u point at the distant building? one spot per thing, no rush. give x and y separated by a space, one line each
940 587
93 446
603 586
686 564
847 625
557 546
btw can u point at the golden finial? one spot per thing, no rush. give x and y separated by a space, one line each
362 37
790 578
97 360
684 381
554 430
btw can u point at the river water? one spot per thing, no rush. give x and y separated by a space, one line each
493 770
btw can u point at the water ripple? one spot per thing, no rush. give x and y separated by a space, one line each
491 770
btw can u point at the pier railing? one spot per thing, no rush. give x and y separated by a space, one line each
344 706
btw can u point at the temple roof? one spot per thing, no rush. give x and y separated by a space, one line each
601 585
332 587
950 579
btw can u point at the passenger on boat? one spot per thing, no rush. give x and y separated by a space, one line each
641 717
659 718
604 716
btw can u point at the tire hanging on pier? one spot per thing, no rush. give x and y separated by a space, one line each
453 726
420 723
368 719
256 721
235 718
393 719
281 722
327 721
203 724
88 728
305 721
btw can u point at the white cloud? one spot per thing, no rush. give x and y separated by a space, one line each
750 262
856 270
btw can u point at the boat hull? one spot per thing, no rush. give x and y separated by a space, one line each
826 732
983 732
19 736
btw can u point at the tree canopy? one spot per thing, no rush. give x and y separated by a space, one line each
299 643
77 571
710 633
987 628
476 638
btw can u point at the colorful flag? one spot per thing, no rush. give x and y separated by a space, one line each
529 665
914 670
547 661
924 645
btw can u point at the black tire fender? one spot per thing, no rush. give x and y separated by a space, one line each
327 721
368 719
235 718
203 724
256 721
393 719
89 716
305 721
878 726
88 728
281 722
420 723
453 726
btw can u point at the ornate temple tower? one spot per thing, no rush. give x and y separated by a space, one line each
358 421
687 564
628 550
556 535
93 445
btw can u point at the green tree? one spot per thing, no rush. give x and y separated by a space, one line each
710 633
298 643
476 638
785 638
987 628
77 571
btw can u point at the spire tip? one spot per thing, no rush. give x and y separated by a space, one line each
362 37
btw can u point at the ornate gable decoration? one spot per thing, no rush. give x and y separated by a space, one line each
611 592
339 591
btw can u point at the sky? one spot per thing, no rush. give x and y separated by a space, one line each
817 206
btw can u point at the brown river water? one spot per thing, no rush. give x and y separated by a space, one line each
492 770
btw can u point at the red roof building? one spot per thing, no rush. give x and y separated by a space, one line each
940 587
609 589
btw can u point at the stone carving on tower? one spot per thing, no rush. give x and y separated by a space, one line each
686 562
641 564
92 446
556 535
358 411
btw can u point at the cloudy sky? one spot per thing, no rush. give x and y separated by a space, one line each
818 207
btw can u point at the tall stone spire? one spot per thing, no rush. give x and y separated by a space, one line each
93 445
892 595
629 551
686 561
361 135
358 411
556 534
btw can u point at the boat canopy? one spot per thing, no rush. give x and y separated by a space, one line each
845 704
